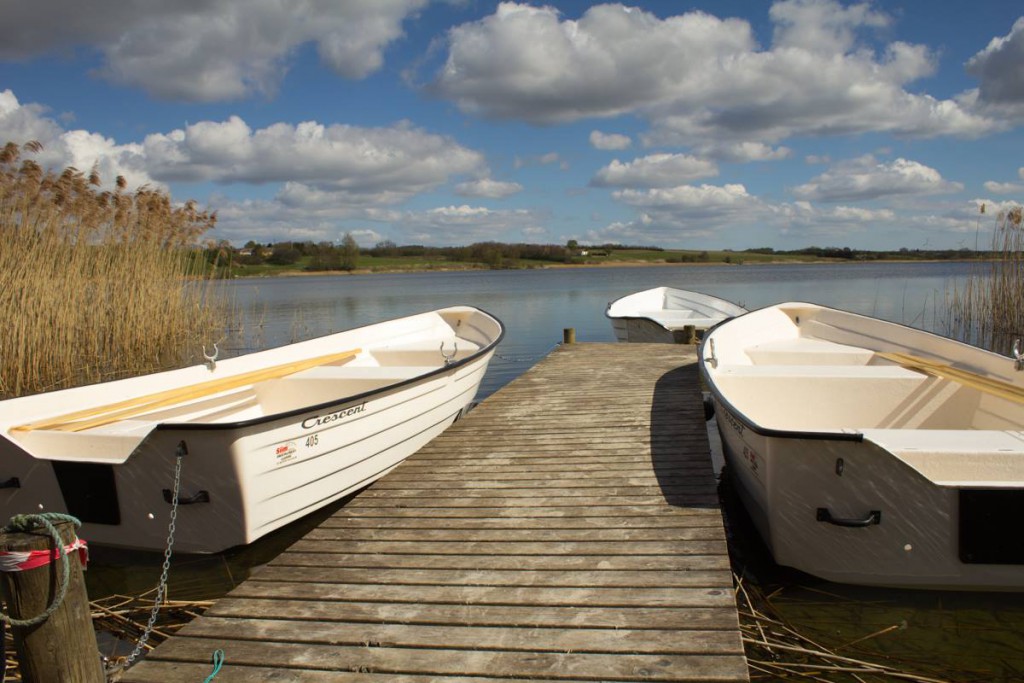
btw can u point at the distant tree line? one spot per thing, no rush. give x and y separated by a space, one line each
330 256
345 254
866 255
497 254
317 255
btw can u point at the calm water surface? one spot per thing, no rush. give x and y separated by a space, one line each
952 636
536 305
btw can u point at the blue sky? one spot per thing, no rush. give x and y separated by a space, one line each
729 124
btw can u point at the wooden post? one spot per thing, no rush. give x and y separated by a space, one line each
569 335
689 334
63 648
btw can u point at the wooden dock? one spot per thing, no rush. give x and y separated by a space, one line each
567 529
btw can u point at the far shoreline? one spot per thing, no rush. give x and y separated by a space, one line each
564 266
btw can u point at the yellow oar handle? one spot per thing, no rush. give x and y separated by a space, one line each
988 385
112 412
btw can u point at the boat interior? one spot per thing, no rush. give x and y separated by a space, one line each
110 433
954 431
832 394
374 369
800 380
679 319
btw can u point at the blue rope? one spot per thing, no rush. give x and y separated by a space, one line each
26 523
218 662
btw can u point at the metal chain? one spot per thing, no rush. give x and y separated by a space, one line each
161 590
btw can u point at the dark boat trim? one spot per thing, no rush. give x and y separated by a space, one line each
215 426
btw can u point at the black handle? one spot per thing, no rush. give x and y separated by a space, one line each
199 497
874 517
12 483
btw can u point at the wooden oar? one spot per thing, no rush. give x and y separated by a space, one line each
988 385
111 412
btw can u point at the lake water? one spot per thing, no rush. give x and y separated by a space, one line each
536 305
952 636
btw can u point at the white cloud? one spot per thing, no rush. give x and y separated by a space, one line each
335 201
822 27
337 164
609 141
860 215
866 178
81 149
488 187
804 220
1003 188
326 174
525 62
536 232
673 216
207 50
273 221
999 68
729 215
378 165
23 122
656 170
365 237
741 152
696 77
464 224
706 201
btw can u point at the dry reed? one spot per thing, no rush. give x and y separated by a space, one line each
987 310
95 285
119 621
776 650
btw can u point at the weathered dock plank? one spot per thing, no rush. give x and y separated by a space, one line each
566 530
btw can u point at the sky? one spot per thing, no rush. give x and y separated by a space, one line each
726 124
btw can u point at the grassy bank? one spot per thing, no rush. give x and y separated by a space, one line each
94 284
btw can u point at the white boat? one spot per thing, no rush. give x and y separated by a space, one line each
264 438
661 314
868 452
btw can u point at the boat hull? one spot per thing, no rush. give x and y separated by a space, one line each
667 315
238 481
871 504
644 331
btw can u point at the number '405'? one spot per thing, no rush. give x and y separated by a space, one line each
312 440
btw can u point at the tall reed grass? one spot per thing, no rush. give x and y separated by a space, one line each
987 309
95 285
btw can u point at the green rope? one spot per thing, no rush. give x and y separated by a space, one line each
218 662
28 523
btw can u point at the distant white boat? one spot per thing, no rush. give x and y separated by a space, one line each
868 452
661 314
264 438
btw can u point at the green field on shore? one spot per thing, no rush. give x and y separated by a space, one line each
368 261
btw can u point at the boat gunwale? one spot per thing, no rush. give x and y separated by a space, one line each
263 419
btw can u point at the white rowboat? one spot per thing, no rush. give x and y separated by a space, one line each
661 314
263 438
872 453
